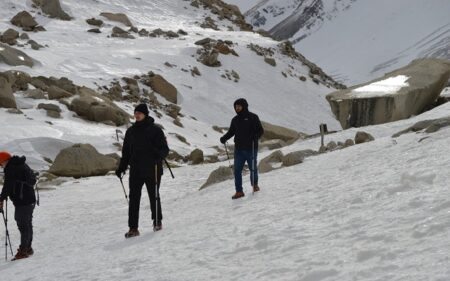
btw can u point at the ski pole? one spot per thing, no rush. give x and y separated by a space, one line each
156 196
228 156
37 189
168 166
123 187
7 238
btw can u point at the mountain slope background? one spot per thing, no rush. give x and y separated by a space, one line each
358 40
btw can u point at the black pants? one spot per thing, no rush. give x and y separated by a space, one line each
24 218
136 183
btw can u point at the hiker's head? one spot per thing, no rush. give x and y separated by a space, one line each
240 105
4 158
140 112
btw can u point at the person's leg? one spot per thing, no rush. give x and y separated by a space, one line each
251 158
155 199
23 216
135 199
239 161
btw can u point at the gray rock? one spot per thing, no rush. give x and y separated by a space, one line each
94 30
270 61
19 80
362 137
82 160
172 110
219 175
35 45
94 22
297 157
52 8
56 93
52 109
9 37
266 164
119 17
277 132
196 156
24 36
24 20
120 33
349 142
35 94
162 87
204 41
430 126
211 59
14 57
7 99
332 146
99 109
272 144
427 78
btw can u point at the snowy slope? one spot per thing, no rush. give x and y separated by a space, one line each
375 211
358 40
89 58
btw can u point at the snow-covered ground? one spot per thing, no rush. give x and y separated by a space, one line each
375 211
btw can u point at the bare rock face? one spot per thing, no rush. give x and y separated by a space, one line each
25 21
219 175
82 160
7 99
14 57
162 87
385 99
119 17
52 8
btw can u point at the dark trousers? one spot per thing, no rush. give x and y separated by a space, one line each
136 183
240 157
24 218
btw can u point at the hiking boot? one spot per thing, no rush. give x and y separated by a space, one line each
157 226
30 251
238 195
133 232
255 188
21 254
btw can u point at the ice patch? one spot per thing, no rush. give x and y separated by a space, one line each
383 87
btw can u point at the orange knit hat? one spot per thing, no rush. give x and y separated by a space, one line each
4 156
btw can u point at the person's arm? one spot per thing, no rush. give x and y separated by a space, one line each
126 154
161 147
230 133
259 128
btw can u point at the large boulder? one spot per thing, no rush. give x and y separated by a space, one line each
7 99
14 57
297 157
82 160
219 175
24 20
119 17
271 162
398 95
9 37
52 8
362 137
277 132
162 87
98 109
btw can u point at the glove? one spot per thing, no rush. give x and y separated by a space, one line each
120 173
223 140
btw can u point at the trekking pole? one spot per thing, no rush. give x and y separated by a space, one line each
228 156
123 187
37 189
156 196
168 166
7 238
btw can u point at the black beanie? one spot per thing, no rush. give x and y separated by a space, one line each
142 108
242 102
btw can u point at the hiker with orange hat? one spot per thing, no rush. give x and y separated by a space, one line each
19 181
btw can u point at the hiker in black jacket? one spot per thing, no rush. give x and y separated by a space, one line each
144 148
247 130
18 185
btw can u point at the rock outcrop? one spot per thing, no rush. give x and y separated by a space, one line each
398 95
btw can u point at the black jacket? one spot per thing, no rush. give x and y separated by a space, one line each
144 146
19 182
246 129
